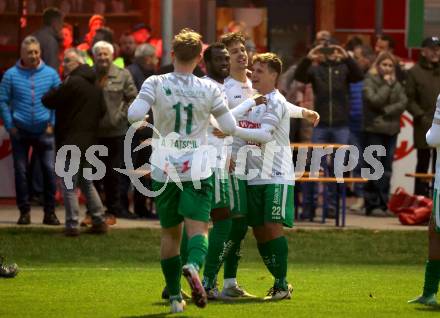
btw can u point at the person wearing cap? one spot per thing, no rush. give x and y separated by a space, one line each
95 22
422 88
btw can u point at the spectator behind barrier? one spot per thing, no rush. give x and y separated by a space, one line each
422 88
119 91
78 105
330 70
384 102
30 125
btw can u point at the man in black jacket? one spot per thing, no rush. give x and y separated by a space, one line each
422 88
144 65
330 70
78 105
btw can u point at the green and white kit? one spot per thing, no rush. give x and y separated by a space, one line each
236 93
270 192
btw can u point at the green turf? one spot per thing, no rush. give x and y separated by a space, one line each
334 273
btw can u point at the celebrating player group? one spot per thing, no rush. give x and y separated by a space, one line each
235 122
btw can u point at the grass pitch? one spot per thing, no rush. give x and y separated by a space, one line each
334 274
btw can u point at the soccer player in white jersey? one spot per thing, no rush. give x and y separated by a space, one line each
217 61
238 88
182 105
432 270
270 189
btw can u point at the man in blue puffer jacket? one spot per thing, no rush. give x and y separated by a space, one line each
30 124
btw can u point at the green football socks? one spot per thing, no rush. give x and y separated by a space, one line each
197 250
432 277
172 270
274 254
238 231
217 238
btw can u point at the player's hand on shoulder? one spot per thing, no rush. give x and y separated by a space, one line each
219 134
259 99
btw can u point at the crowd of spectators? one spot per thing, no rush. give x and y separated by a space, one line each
59 94
359 91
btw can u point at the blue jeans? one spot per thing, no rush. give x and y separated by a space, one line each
93 201
324 134
376 192
43 147
35 177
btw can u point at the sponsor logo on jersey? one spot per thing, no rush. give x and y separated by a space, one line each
249 124
237 96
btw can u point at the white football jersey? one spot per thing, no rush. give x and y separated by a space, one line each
274 165
182 105
436 120
236 93
221 144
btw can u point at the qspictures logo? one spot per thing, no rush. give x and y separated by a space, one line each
178 159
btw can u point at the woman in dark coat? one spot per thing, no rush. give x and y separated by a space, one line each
384 102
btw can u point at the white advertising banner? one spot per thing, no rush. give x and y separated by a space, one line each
405 157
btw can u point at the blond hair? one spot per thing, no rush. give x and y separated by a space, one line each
271 59
187 45
374 70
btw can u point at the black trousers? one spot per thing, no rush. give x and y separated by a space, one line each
139 158
111 180
376 192
423 158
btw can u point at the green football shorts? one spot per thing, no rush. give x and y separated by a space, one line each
270 203
237 196
220 196
173 204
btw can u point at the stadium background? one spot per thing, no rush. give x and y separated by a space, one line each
286 27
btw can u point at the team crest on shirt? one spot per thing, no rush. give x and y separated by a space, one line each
167 91
185 166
